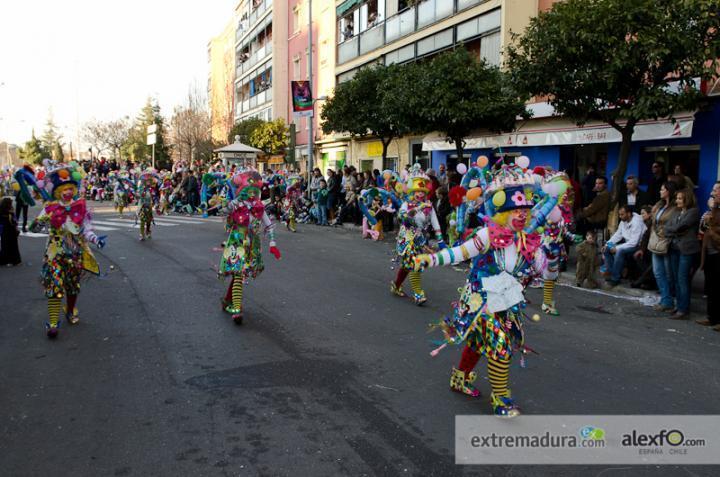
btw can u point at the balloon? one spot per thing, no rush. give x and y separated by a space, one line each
499 198
523 161
76 176
41 175
63 174
40 183
15 186
555 215
482 161
387 175
561 188
473 183
473 193
461 168
237 180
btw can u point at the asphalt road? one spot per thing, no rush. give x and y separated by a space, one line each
329 375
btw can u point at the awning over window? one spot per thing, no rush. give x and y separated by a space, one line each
345 6
558 131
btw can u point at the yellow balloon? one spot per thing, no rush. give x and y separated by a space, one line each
499 198
474 193
482 161
15 186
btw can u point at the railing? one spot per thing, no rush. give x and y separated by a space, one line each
431 11
348 50
400 25
463 4
372 39
259 10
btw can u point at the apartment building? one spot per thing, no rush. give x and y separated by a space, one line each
221 67
261 76
323 64
399 31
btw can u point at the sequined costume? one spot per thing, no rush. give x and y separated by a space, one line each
242 255
147 198
415 216
67 254
506 253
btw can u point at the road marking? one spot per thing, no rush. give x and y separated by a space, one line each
103 229
127 224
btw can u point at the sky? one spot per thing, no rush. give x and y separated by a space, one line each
85 59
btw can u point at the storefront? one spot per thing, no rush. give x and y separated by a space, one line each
691 140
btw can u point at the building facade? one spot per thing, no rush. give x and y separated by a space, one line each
398 31
221 66
261 76
9 156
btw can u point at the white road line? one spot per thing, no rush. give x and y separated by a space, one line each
103 229
127 223
180 220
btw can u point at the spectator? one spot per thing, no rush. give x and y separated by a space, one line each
333 187
594 217
588 185
434 186
643 258
443 210
710 259
657 180
442 176
684 182
190 188
633 197
322 203
315 183
9 250
377 178
684 249
349 209
623 243
662 213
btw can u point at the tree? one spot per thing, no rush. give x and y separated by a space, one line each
358 106
93 133
271 137
617 61
136 148
34 152
190 127
110 135
244 129
457 94
52 140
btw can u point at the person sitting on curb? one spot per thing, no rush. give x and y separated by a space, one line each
623 244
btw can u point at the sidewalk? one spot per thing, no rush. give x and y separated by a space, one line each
698 303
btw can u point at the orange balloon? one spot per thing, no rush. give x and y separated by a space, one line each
64 174
482 161
473 193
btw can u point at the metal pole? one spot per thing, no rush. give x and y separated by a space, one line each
311 137
153 157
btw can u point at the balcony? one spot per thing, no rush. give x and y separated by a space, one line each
372 39
262 7
400 25
463 4
348 50
431 11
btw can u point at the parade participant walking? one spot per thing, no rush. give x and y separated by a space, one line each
147 199
68 254
415 215
506 253
242 256
122 194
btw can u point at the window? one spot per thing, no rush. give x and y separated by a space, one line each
417 155
296 20
490 49
390 163
435 42
366 165
296 67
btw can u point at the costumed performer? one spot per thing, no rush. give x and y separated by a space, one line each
147 197
506 252
242 255
416 215
68 254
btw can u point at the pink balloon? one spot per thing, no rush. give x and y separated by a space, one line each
40 184
461 168
555 215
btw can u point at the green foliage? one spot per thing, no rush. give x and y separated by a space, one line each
271 137
34 152
457 94
136 148
244 129
357 107
57 152
614 60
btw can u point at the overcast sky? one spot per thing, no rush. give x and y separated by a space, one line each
99 58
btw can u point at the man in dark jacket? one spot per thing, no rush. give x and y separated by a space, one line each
190 187
633 197
657 180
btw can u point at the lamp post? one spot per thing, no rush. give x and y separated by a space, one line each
311 138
